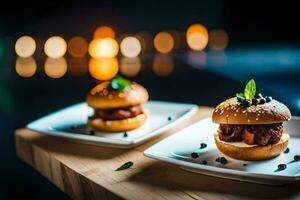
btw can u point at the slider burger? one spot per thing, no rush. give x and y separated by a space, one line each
251 126
117 105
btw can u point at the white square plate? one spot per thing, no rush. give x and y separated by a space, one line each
71 123
177 149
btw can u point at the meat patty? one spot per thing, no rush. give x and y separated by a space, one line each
230 133
266 134
263 134
119 113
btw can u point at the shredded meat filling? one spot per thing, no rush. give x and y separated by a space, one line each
119 113
263 134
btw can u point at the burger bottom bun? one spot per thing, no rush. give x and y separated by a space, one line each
118 125
252 153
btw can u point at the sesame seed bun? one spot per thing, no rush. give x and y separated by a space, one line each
119 125
252 152
103 97
232 112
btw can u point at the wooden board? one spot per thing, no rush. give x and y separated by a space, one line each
88 172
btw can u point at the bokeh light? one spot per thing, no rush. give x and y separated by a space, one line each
163 64
26 67
55 67
103 48
197 59
103 68
218 39
55 47
130 67
77 47
164 42
104 32
25 46
77 66
130 47
197 37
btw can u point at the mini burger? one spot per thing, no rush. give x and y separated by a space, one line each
118 105
251 126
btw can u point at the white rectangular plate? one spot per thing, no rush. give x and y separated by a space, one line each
177 149
71 123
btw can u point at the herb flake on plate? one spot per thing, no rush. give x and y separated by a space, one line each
126 165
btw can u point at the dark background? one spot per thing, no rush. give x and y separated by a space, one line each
257 31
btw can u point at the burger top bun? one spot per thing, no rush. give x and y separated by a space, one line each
104 97
232 112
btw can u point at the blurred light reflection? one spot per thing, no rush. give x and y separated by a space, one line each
26 67
77 66
55 67
163 64
103 68
130 67
77 47
55 47
104 32
197 37
218 39
25 46
130 47
103 48
164 42
197 59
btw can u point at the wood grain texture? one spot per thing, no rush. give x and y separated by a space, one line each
88 172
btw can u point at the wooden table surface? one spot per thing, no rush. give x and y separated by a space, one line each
88 172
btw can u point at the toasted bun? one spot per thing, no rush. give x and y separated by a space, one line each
231 112
119 125
252 153
103 97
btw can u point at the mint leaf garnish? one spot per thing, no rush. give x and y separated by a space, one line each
250 90
119 83
240 96
125 166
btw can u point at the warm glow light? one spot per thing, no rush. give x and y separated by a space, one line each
218 39
103 68
197 37
55 47
77 66
77 47
197 59
130 47
163 65
25 46
163 42
103 32
130 67
55 67
25 67
103 48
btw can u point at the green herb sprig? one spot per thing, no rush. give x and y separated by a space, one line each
126 165
249 91
119 83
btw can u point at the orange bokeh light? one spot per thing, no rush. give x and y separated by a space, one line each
164 42
103 68
130 67
197 37
218 39
103 32
26 67
163 64
77 47
103 48
55 67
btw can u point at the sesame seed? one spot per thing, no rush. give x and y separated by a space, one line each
234 114
256 119
248 120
